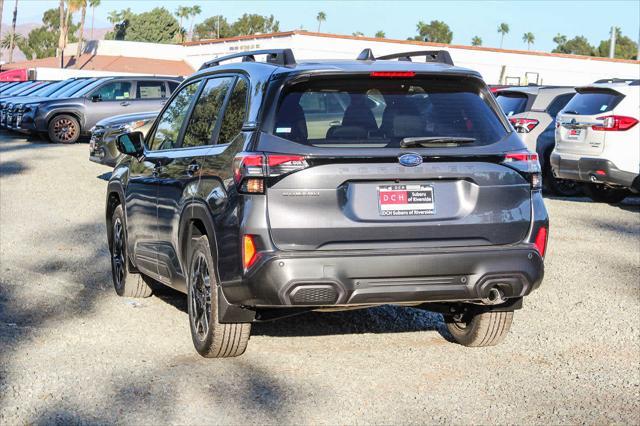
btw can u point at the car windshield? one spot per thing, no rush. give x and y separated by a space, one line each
49 88
17 88
88 88
34 89
74 88
512 103
378 112
592 102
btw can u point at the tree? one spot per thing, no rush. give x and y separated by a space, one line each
213 27
476 41
155 26
576 46
249 24
321 18
503 29
182 12
120 21
12 43
83 5
42 41
193 12
380 34
435 32
93 4
529 38
560 39
625 47
358 34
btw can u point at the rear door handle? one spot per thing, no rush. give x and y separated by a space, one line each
193 168
125 103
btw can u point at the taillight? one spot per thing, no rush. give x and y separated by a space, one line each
392 74
249 252
251 170
523 125
540 242
613 123
527 164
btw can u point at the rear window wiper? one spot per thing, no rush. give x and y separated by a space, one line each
435 140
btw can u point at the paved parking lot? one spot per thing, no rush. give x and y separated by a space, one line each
72 351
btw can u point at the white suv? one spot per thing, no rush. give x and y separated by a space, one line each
598 140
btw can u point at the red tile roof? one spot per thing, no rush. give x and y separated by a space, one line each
110 63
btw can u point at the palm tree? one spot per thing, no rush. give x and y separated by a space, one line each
321 18
83 6
560 39
503 29
182 12
529 38
358 34
93 4
193 12
12 45
380 34
476 41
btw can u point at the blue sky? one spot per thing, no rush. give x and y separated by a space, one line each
398 18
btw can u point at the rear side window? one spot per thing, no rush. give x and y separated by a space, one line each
151 90
512 103
235 113
592 102
205 112
558 103
371 112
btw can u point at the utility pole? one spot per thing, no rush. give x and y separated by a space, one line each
612 43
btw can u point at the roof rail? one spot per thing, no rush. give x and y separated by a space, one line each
283 57
631 81
441 56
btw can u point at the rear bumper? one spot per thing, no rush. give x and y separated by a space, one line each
587 169
377 277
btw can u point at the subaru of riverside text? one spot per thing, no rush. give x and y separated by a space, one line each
268 187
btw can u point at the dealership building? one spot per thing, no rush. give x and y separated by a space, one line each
497 66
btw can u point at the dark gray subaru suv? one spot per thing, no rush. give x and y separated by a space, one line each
268 189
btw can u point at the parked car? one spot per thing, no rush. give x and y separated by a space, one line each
64 120
28 89
10 106
102 145
598 140
532 111
431 200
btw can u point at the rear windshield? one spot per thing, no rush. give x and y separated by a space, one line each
512 103
381 112
591 103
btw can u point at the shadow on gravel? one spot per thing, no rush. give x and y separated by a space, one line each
631 203
9 168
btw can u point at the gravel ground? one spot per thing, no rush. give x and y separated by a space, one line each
71 351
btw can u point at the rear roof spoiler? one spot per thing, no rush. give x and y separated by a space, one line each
439 56
282 57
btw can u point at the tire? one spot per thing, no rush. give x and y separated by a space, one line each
64 129
561 187
125 282
482 329
211 338
605 194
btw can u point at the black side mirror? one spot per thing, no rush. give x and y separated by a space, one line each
96 98
131 144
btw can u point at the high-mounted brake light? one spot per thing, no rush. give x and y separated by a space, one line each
249 252
250 170
614 123
527 164
540 243
523 125
392 74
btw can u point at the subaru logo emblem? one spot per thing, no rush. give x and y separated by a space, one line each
410 159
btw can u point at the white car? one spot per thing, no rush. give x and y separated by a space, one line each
598 140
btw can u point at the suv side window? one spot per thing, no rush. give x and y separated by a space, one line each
114 91
235 113
558 103
173 85
151 90
170 122
205 112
